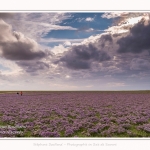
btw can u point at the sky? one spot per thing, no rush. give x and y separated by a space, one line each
63 51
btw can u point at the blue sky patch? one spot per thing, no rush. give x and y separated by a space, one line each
87 24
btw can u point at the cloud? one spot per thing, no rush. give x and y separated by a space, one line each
123 21
82 56
51 18
85 60
67 76
67 43
11 68
59 49
139 64
89 19
37 25
118 29
38 29
15 46
80 19
110 15
122 15
87 29
138 39
55 40
33 66
6 15
105 38
20 51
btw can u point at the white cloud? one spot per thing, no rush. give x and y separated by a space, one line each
59 49
36 29
118 29
89 19
37 25
90 30
52 40
79 19
110 15
67 43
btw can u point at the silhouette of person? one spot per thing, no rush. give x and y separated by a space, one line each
21 93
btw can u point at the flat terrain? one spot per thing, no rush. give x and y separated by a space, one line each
75 114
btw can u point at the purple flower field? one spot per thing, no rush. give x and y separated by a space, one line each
75 114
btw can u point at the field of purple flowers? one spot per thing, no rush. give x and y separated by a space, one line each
75 114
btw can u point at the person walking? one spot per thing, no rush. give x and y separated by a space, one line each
21 93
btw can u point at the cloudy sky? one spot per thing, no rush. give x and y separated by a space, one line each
75 51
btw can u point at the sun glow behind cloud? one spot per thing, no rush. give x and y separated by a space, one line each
125 23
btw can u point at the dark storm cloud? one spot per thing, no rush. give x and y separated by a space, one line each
20 51
117 35
15 46
105 38
138 39
33 66
82 56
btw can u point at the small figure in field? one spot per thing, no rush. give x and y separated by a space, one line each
17 93
21 93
